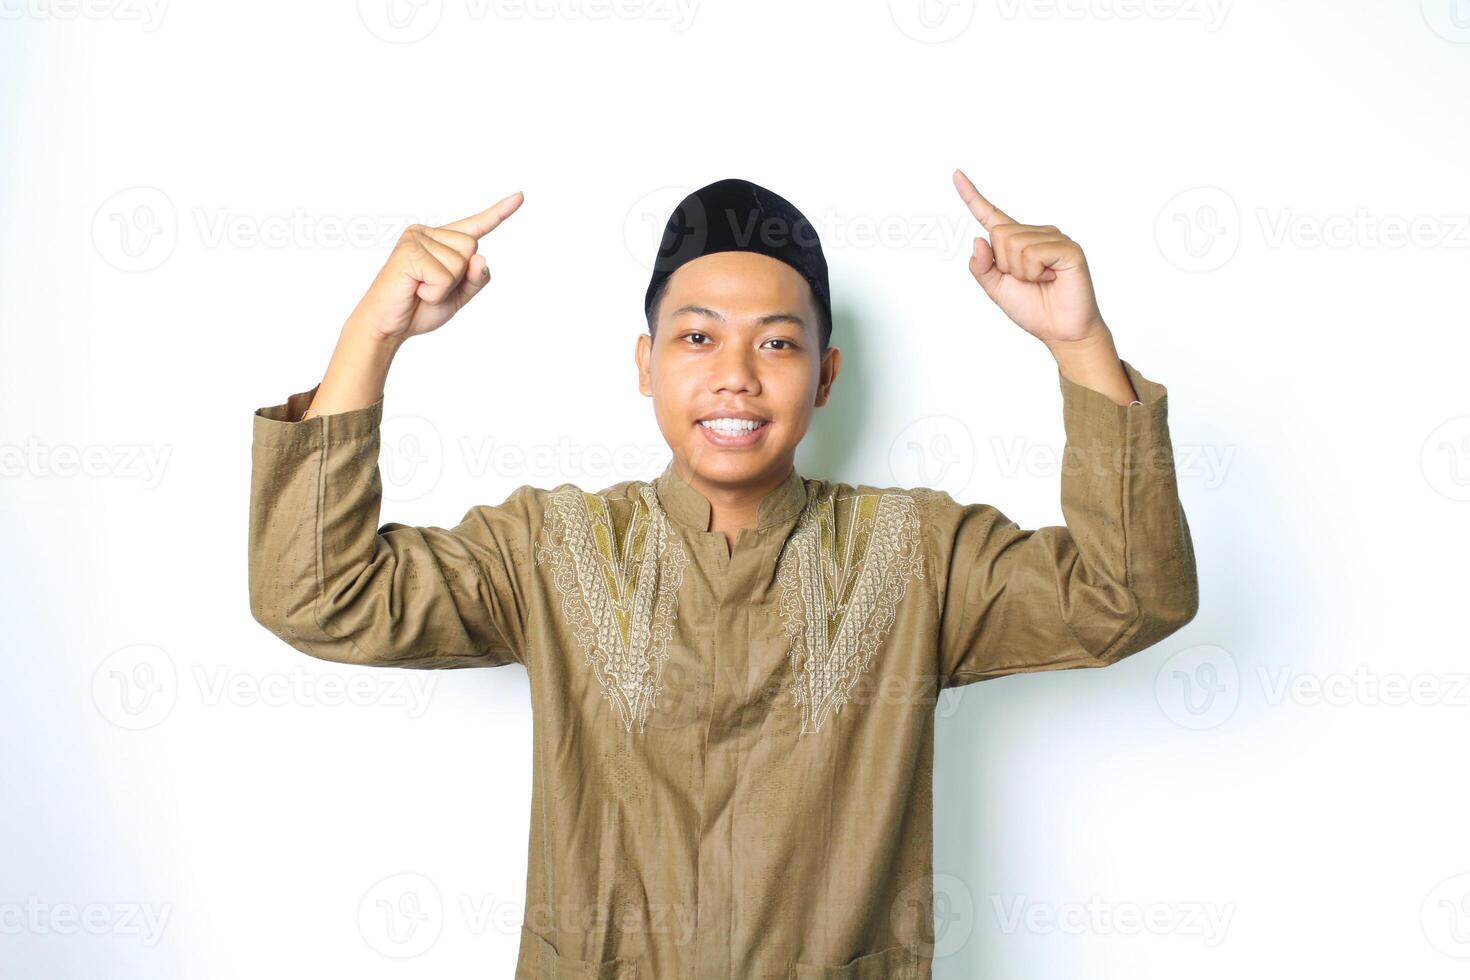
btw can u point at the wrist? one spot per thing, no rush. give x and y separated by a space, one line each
1095 344
363 335
357 372
1092 361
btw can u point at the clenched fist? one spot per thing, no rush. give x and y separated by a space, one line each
432 273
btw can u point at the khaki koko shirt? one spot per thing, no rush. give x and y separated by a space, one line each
733 752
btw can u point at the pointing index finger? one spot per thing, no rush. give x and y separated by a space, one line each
986 213
486 221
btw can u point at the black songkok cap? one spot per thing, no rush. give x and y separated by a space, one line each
734 215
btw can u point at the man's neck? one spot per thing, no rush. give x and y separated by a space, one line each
734 508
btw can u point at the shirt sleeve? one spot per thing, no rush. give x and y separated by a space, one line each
332 584
1116 579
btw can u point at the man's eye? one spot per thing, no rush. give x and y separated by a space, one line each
690 336
779 340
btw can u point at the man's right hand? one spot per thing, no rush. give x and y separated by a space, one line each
430 275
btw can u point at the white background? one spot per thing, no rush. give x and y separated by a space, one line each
1272 197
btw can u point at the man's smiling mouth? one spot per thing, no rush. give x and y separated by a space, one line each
731 426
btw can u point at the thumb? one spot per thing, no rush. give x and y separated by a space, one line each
984 269
476 278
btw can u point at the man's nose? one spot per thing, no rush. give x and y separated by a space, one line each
734 370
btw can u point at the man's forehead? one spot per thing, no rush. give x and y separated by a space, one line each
737 281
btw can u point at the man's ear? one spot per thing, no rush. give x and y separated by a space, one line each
831 365
642 351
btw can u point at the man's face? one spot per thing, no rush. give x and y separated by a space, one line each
736 338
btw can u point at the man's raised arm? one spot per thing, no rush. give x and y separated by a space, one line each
324 577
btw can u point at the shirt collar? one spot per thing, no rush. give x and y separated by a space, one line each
688 506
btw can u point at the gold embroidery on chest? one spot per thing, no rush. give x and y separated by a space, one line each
617 565
842 573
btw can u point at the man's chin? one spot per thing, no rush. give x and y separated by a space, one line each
730 469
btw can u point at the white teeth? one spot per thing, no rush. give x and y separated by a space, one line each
732 427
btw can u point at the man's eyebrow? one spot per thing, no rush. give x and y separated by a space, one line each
769 318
